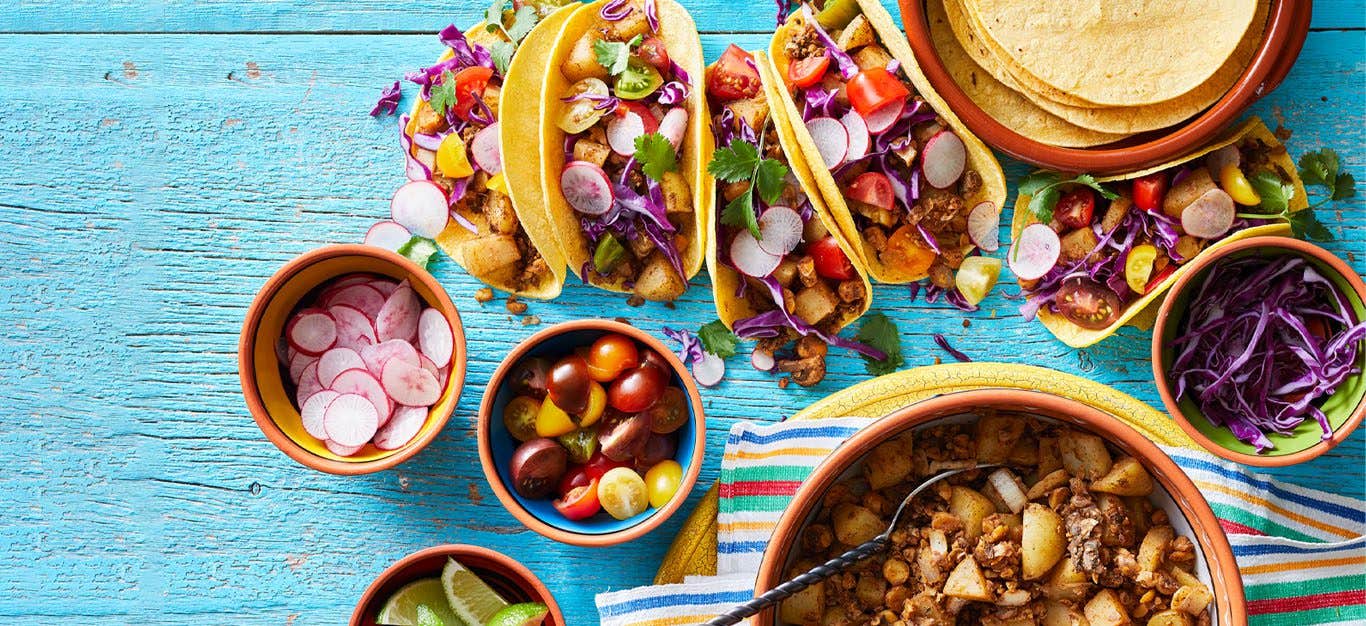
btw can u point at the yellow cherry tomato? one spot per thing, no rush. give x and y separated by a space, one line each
520 417
597 403
976 276
498 183
552 421
1138 267
1236 185
622 493
662 482
452 159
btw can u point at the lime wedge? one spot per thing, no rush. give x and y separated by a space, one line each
402 607
524 614
471 599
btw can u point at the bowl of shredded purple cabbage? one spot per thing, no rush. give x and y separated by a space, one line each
1259 350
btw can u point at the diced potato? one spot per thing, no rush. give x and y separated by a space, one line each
754 111
634 23
428 121
1184 577
1117 530
658 280
967 582
1191 599
869 590
591 151
869 57
1105 609
1154 545
495 257
971 507
582 61
1043 542
1140 512
1126 477
1067 583
1008 488
1049 459
887 465
1059 614
996 436
805 607
1187 246
855 524
857 34
1077 244
1119 207
1015 597
1046 485
498 209
677 195
816 303
491 96
1182 194
1170 618
1025 453
1084 455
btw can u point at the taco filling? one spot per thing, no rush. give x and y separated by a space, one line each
625 118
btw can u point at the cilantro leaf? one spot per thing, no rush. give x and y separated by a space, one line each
493 16
740 212
770 177
1043 189
879 331
735 162
1344 186
1090 181
1275 193
1042 202
443 95
419 250
1319 167
717 339
614 55
1031 184
501 52
1305 225
655 155
523 21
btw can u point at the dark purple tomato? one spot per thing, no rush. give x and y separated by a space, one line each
653 359
670 413
657 448
637 390
1087 303
529 377
624 439
537 467
569 385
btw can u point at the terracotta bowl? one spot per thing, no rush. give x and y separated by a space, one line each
1345 408
496 445
1188 510
265 386
510 579
1287 27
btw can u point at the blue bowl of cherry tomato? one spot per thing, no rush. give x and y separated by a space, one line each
591 432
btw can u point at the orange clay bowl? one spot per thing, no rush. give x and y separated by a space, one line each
510 579
496 445
272 405
1345 408
1287 27
1214 565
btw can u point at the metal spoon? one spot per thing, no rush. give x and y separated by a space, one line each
835 565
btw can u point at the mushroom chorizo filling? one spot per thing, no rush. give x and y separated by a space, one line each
1063 534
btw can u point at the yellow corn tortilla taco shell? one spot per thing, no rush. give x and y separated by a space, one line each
1253 128
725 280
980 158
680 37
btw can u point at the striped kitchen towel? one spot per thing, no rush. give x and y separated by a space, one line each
1301 551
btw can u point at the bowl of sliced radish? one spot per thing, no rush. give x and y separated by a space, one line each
352 359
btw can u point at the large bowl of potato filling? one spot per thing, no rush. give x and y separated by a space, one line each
1081 521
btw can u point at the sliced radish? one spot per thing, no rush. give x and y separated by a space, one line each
388 235
831 140
406 423
354 329
428 365
858 135
308 384
984 224
1210 216
297 363
434 337
312 412
341 450
362 383
377 355
420 206
781 228
762 361
1221 158
622 131
336 361
484 150
410 385
385 286
751 259
709 370
397 319
880 120
364 297
348 280
1034 252
311 331
943 160
350 420
674 126
586 188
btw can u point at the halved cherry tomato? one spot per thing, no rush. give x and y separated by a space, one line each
581 502
651 124
611 355
1150 190
651 50
653 359
600 464
670 413
637 390
907 255
807 72
574 477
830 260
874 88
469 86
873 189
1087 303
733 76
1076 208
1161 276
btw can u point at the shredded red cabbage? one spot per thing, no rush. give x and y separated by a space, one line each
954 352
466 54
615 11
690 347
415 169
652 15
388 101
1263 341
848 68
771 323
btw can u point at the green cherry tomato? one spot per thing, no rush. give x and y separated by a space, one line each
662 482
639 80
622 493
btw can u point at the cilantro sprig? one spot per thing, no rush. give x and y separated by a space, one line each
515 30
655 155
443 95
1044 189
879 331
615 55
717 339
740 162
1318 169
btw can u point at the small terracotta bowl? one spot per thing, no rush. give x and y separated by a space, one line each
1287 27
1345 408
265 386
496 445
1186 507
512 580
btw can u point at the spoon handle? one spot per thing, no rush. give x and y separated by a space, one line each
792 587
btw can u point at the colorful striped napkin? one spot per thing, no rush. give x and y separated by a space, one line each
1301 551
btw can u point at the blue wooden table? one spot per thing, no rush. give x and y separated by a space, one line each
162 158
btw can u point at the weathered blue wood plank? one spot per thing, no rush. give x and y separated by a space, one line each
152 183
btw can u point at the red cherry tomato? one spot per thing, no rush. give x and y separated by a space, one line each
568 386
830 259
651 124
580 502
575 476
873 189
734 75
875 88
469 86
611 355
637 390
653 359
1076 208
1159 277
652 51
599 464
807 72
1150 190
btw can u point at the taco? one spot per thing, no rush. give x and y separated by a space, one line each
779 267
498 231
898 170
622 143
1092 254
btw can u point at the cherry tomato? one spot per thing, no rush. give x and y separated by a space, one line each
568 384
537 467
1150 190
600 464
874 88
637 390
552 421
519 416
733 76
646 117
907 254
529 377
652 51
1087 303
611 355
653 359
872 189
663 481
831 261
574 476
469 86
597 403
638 81
622 493
807 72
580 502
657 448
1076 208
1161 276
581 444
670 413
